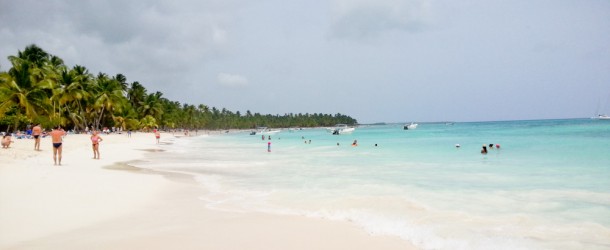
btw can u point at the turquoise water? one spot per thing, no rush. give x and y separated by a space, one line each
546 187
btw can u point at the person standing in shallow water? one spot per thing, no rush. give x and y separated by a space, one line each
157 135
56 138
95 142
484 150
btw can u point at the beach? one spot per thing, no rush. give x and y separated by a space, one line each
110 204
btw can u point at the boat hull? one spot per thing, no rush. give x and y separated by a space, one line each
410 126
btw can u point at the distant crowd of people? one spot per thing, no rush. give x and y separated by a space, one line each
57 134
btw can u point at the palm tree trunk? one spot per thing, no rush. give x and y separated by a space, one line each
74 120
99 120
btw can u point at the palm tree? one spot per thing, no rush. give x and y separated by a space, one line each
122 80
56 62
85 81
108 97
136 95
151 105
35 55
21 89
127 118
148 122
71 91
172 114
189 115
204 115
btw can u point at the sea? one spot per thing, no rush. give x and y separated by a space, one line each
547 185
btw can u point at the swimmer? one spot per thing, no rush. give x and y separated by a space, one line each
458 145
498 146
56 136
484 150
355 143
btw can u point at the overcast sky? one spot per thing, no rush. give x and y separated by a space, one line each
376 60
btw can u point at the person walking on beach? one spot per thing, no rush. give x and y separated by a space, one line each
56 135
157 135
36 133
95 142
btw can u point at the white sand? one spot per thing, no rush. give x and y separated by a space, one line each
83 205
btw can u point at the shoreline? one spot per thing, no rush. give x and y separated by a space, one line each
82 204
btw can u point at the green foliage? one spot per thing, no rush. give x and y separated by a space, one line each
148 123
39 88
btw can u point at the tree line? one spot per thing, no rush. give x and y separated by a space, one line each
40 89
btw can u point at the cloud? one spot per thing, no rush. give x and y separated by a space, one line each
356 19
135 38
232 80
176 47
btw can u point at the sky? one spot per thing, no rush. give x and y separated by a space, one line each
375 60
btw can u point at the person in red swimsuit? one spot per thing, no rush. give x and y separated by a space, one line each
157 135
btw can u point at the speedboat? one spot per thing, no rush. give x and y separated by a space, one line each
410 126
601 117
264 131
340 129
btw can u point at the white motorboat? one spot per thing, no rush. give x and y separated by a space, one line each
601 117
410 126
340 129
264 131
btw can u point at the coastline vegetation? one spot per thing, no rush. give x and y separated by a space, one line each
40 88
